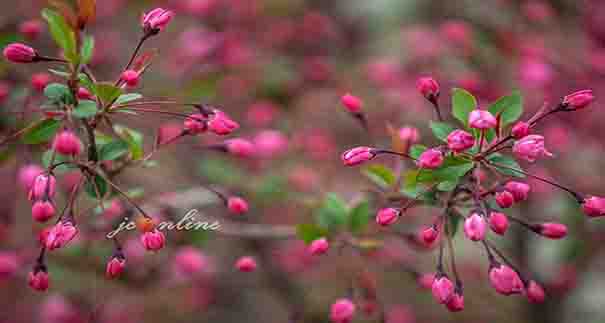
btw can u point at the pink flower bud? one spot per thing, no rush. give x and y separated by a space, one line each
594 206
240 147
498 222
505 199
237 205
39 81
156 20
221 124
319 246
44 187
19 53
9 263
387 216
530 148
60 235
190 261
246 264
130 77
579 99
67 143
505 280
409 135
428 87
31 29
442 289
115 267
475 227
429 235
38 279
27 174
426 280
270 144
342 311
352 103
519 190
520 130
195 124
481 119
456 302
84 94
552 230
535 292
153 240
43 210
357 155
430 159
460 140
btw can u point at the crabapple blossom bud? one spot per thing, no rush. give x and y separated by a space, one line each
579 99
156 20
498 222
481 119
20 53
594 206
44 186
551 230
319 246
409 134
237 205
240 147
38 279
530 148
505 280
153 240
352 103
130 77
460 140
84 94
520 130
387 216
39 81
475 227
115 266
246 264
30 28
270 143
357 155
195 124
456 301
190 261
27 174
428 87
430 159
221 124
67 143
342 311
535 292
505 199
43 210
442 289
60 235
519 190
429 235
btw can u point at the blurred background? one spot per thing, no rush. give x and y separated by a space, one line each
279 67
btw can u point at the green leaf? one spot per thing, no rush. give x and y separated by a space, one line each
441 129
222 171
85 109
380 175
506 161
101 185
125 98
107 92
47 156
133 138
88 46
113 150
58 93
62 74
42 132
62 33
359 217
308 232
332 213
452 169
416 150
462 104
510 108
447 186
